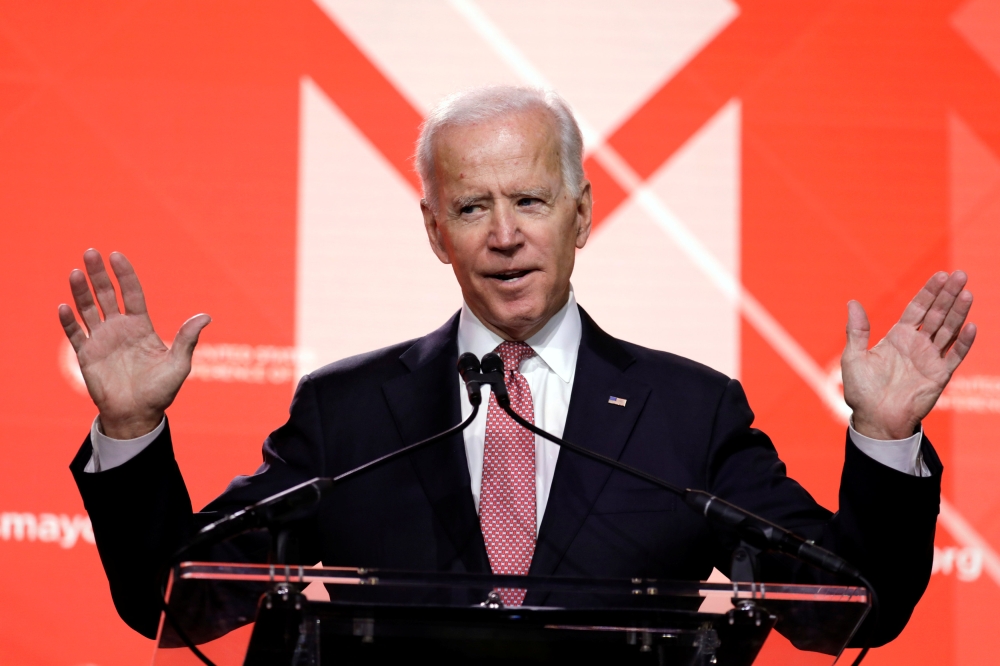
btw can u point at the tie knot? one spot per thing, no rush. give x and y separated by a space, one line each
512 354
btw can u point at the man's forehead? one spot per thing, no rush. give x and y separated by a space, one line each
528 136
528 128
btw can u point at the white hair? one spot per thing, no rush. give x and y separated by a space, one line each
487 103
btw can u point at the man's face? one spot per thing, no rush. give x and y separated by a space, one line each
507 224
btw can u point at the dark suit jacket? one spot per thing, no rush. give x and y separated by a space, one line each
683 422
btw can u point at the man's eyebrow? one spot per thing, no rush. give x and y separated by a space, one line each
542 193
461 202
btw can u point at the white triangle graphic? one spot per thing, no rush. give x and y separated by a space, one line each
975 171
366 275
641 287
978 21
605 63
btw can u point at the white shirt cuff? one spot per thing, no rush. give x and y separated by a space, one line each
903 455
110 453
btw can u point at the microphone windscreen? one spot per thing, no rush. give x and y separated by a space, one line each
492 363
467 364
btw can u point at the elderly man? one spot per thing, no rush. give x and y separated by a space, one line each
507 205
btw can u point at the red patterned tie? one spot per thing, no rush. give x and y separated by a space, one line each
507 499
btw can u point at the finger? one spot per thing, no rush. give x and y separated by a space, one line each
132 296
84 300
103 288
187 337
71 327
943 302
949 330
858 328
961 347
916 310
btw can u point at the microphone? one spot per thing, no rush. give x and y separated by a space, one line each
493 375
296 502
468 368
763 534
751 528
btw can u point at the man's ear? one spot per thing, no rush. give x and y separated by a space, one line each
584 215
434 232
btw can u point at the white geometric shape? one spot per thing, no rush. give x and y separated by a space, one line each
978 22
975 172
605 63
366 277
608 63
700 183
424 48
642 286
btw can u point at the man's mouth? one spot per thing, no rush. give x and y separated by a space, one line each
510 276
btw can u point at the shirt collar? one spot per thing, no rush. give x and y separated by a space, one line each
557 343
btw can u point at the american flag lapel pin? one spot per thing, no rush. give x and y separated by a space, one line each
617 401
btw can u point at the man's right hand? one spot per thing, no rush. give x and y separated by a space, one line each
131 375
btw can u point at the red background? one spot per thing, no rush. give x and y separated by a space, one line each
870 153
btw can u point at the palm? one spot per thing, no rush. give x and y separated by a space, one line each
894 385
131 375
126 366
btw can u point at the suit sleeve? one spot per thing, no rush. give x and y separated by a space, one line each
141 511
885 524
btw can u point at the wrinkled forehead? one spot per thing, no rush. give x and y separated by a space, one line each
514 141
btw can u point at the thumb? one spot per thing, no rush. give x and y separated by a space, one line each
187 337
858 329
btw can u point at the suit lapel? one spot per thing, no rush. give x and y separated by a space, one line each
594 423
424 402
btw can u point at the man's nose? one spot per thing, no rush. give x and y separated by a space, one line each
506 232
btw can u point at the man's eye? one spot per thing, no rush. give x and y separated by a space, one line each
527 201
467 210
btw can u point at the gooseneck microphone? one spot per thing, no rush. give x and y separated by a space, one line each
299 500
751 528
282 507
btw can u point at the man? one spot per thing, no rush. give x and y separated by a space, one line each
507 205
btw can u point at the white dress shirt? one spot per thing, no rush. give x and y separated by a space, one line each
550 374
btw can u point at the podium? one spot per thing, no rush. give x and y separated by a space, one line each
256 614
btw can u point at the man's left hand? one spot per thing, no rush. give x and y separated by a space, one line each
893 386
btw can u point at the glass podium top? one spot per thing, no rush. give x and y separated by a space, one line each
259 613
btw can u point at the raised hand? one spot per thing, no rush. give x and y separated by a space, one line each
894 385
131 375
